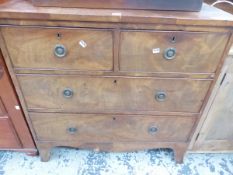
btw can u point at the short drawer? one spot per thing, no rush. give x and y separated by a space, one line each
110 128
112 94
59 48
173 52
8 138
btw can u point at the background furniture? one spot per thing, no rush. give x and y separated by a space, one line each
215 132
224 6
14 133
113 80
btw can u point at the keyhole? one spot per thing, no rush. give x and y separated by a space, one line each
115 81
59 35
114 118
173 40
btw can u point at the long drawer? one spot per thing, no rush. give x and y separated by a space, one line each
60 48
110 128
112 94
174 52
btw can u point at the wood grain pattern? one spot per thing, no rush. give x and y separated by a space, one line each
8 139
23 9
112 94
111 128
16 120
2 108
196 52
34 48
209 76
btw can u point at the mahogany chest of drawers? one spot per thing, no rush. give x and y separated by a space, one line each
113 80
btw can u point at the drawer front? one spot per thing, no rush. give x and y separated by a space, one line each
112 94
8 138
102 128
59 48
179 52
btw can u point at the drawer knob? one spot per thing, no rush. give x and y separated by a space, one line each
68 93
60 51
161 96
170 53
72 130
152 130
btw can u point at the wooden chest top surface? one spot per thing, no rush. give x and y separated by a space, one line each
23 9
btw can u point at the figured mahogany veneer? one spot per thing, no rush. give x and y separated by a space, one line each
112 94
197 52
111 128
14 132
8 138
87 49
113 80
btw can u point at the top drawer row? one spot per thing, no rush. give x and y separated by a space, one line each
92 50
